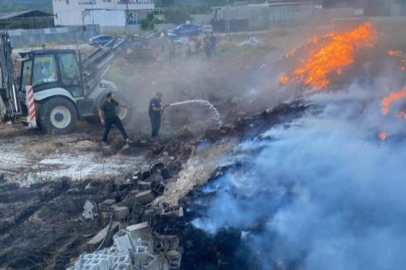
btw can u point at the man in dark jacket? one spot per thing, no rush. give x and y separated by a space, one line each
108 117
213 44
155 111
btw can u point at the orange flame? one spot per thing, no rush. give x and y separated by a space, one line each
395 53
284 79
390 98
336 54
399 54
383 136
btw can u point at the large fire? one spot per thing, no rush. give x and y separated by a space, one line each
390 98
336 53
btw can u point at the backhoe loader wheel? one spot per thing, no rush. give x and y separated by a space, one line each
124 114
58 116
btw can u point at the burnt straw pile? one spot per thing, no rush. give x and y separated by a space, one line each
323 191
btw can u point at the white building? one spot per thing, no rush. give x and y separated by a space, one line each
101 12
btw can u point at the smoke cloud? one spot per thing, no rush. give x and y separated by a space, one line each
322 192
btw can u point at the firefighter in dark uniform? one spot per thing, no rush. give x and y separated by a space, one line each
155 111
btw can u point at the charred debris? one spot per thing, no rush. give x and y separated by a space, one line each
139 233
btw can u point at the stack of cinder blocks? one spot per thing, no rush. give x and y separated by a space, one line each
119 261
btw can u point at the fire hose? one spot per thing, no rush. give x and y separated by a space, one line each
163 109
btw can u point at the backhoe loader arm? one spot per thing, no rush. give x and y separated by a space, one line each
9 103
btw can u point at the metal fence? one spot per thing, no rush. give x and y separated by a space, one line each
259 17
63 35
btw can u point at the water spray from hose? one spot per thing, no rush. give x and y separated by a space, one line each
207 105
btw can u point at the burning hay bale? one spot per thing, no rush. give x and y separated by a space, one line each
332 53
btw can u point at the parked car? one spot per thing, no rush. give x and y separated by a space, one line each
187 29
99 41
176 39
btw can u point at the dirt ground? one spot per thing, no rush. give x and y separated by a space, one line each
43 177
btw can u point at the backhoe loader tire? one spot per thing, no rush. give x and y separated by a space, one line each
125 114
58 116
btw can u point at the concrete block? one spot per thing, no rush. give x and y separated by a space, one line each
123 184
163 243
121 212
141 260
89 267
122 266
133 192
123 241
158 187
89 210
143 186
148 262
129 202
107 203
175 213
174 259
122 259
142 249
165 173
145 197
112 250
94 243
140 230
138 210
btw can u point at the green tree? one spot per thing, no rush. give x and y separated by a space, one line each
148 23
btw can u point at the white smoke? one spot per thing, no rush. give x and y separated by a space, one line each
327 192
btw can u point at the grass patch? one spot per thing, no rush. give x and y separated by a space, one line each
44 148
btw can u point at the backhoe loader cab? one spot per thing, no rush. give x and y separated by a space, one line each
63 92
56 87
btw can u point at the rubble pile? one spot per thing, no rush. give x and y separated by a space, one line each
138 234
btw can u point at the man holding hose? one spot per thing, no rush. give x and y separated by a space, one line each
155 113
108 117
